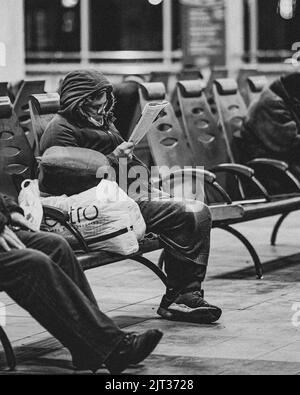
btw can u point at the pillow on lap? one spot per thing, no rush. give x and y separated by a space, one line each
69 170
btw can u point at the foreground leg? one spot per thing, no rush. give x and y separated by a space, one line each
40 286
185 230
60 252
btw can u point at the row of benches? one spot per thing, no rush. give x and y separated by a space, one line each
197 143
208 145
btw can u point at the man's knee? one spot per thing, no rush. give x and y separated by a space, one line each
199 214
203 212
57 242
36 260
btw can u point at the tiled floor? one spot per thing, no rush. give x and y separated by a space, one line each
256 334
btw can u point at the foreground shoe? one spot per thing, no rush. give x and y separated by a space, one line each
189 307
133 350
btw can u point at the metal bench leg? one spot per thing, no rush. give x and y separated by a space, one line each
152 266
277 227
9 352
250 248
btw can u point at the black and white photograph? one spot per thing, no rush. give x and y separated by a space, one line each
149 190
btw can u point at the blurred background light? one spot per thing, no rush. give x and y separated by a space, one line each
287 8
69 3
155 2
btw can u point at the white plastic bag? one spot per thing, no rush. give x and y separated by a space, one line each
110 193
30 201
114 226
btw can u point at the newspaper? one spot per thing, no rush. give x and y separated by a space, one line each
149 116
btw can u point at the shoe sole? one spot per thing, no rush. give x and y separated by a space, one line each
203 315
150 347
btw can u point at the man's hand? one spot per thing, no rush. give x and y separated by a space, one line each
9 240
124 150
20 220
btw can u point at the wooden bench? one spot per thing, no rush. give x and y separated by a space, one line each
19 163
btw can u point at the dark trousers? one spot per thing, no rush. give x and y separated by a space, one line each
185 229
47 281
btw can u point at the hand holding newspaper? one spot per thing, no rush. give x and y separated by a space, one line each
149 116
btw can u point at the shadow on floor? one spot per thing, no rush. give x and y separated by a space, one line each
283 269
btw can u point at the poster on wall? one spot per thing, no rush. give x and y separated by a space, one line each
203 29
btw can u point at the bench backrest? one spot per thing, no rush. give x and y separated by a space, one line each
166 139
216 73
255 87
21 105
188 74
42 109
160 76
242 78
169 145
3 89
17 161
204 134
201 128
232 111
148 91
127 108
184 75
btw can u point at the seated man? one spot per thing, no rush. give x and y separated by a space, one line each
40 272
86 120
272 127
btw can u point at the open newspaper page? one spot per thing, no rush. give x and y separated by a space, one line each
149 116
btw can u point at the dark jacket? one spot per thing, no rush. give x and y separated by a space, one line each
272 127
7 206
70 129
62 132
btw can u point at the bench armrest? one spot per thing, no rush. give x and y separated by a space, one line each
280 166
234 169
207 177
56 214
270 162
243 173
64 219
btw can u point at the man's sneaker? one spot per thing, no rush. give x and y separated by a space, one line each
132 350
190 307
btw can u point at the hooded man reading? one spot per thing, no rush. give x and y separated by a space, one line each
86 120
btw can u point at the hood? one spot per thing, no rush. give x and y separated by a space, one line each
288 89
287 86
77 86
